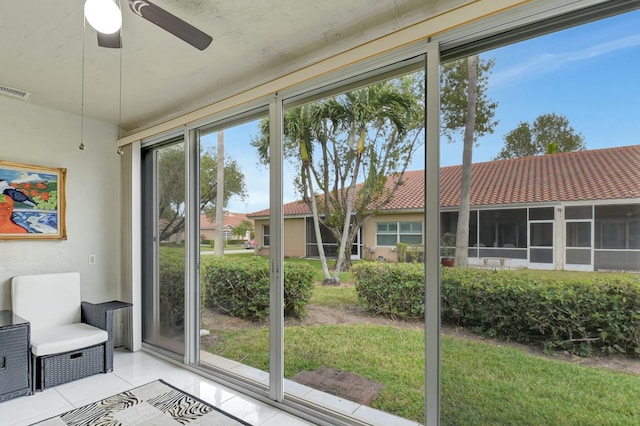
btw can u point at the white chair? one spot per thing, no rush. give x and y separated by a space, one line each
70 339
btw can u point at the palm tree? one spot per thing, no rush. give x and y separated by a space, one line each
303 125
364 134
241 230
357 113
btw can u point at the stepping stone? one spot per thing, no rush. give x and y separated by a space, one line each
340 383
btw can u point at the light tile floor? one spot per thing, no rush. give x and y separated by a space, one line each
138 368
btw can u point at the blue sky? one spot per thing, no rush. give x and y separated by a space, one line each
590 74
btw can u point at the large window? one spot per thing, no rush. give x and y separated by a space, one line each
391 233
271 357
503 228
617 227
535 82
352 160
232 300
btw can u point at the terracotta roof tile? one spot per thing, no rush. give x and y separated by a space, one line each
229 219
603 174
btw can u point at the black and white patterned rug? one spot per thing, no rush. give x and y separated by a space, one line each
157 403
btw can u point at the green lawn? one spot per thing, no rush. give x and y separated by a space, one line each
345 277
334 297
482 383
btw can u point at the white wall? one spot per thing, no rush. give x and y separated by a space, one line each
50 138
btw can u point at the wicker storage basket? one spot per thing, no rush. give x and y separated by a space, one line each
62 368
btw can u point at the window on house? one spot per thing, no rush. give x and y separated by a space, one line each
617 227
390 233
266 236
503 228
579 234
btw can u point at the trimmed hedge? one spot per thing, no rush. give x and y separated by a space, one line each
601 312
240 287
391 289
171 288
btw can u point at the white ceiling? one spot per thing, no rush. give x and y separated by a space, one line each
253 42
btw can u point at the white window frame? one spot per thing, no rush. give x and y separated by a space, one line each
398 234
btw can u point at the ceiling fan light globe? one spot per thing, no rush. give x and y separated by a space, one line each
103 15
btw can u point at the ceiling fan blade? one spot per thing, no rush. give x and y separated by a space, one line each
112 41
171 23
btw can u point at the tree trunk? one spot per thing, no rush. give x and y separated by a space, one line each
342 249
218 249
316 227
462 232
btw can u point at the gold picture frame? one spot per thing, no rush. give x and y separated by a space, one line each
32 202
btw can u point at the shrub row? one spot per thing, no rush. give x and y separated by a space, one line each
235 285
601 312
391 289
240 287
171 288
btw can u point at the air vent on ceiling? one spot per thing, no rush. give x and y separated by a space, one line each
14 93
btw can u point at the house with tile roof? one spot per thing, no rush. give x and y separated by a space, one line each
230 221
573 211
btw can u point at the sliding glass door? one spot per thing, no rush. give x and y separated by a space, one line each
163 207
234 268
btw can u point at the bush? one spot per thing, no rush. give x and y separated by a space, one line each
410 252
601 312
171 288
240 287
395 290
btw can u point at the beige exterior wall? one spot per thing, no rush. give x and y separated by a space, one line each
210 234
369 235
294 237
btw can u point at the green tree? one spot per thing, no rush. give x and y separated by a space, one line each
549 133
466 109
302 126
363 135
241 230
172 187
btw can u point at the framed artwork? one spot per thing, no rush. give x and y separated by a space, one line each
32 202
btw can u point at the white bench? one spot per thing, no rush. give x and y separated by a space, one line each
486 261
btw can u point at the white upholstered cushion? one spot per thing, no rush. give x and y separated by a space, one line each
47 300
65 338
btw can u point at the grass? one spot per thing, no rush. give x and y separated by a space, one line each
334 297
567 275
485 384
482 384
345 277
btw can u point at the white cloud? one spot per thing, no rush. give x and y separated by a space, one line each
550 62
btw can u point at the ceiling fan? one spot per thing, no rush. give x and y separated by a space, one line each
110 37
